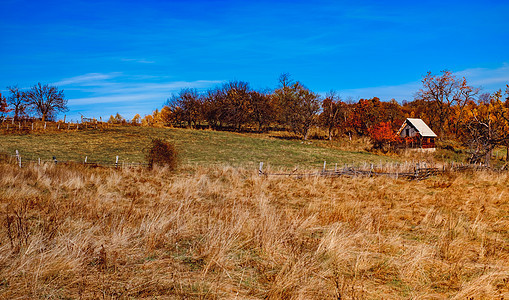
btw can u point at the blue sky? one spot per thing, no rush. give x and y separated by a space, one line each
130 56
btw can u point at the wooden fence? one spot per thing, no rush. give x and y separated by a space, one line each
420 171
28 125
407 170
117 163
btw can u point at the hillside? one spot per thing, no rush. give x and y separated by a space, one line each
196 147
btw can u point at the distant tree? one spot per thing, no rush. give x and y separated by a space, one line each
332 110
119 119
147 120
236 104
298 106
136 120
442 92
262 109
188 105
112 120
211 107
166 116
17 100
4 108
46 100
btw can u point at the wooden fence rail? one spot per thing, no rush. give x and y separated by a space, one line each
418 173
17 158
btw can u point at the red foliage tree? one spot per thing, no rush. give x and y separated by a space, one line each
3 105
382 135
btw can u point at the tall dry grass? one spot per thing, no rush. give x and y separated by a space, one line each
70 232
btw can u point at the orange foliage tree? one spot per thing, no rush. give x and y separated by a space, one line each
382 135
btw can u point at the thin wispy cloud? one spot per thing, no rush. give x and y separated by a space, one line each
136 60
489 80
86 79
89 92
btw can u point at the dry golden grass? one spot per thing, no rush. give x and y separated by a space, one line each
69 232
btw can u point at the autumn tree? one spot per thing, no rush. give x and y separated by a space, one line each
332 112
4 108
442 92
166 116
17 100
236 105
211 107
298 106
262 109
186 106
46 100
382 135
488 127
136 120
147 120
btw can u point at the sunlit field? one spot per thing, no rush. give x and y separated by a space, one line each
225 232
196 147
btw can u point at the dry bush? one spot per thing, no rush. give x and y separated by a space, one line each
162 153
70 232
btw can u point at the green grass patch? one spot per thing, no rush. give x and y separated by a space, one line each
195 147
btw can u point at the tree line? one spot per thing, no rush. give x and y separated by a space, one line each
40 100
448 104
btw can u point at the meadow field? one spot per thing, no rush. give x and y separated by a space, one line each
71 232
196 147
215 229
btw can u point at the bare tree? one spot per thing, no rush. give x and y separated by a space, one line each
331 112
47 100
17 100
488 127
442 92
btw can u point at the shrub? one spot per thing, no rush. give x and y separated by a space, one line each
162 153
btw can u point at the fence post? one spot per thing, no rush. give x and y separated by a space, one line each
39 161
260 172
116 162
55 160
32 126
86 159
18 158
324 165
44 125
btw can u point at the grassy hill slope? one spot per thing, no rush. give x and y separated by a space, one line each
202 147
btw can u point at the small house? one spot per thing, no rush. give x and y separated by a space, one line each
416 134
